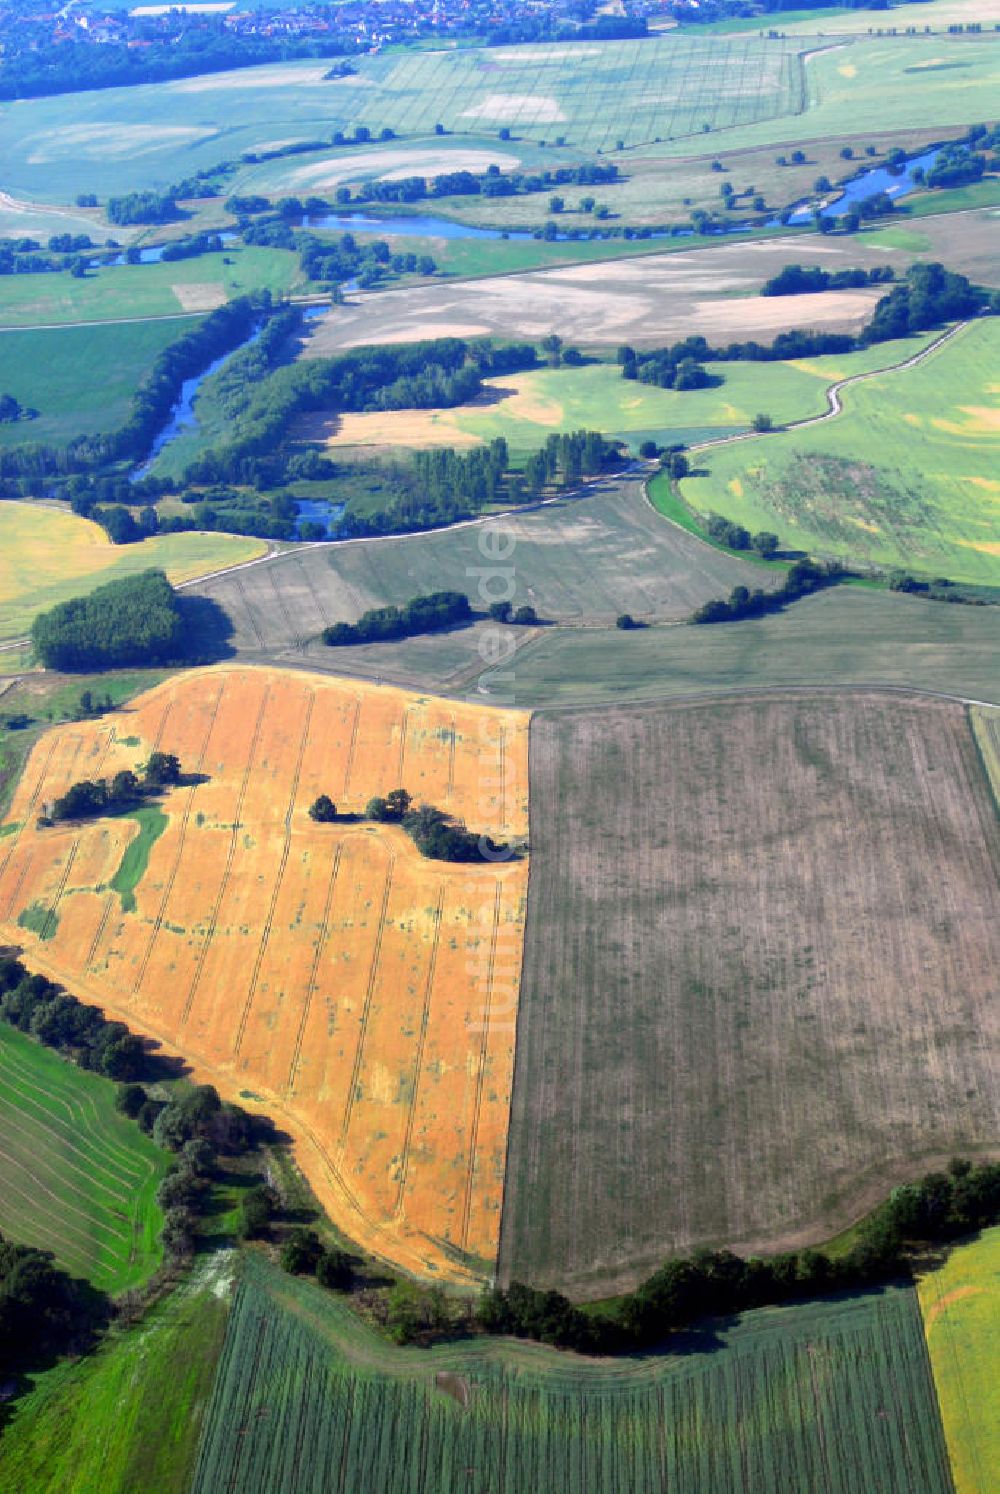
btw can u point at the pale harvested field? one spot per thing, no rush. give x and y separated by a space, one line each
360 995
199 296
760 976
644 301
656 298
388 165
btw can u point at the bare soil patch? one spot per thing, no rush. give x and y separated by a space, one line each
760 976
200 295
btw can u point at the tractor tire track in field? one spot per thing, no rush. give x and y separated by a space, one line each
185 818
52 913
481 1075
352 746
248 609
23 1096
297 641
313 973
109 901
418 1058
15 840
304 572
404 724
230 857
279 878
366 1009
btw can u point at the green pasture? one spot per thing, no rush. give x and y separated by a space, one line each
127 1417
905 476
152 822
936 14
846 636
877 85
80 379
120 292
747 90
76 1178
770 1404
960 1301
113 140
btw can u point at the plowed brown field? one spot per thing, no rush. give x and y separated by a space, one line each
327 974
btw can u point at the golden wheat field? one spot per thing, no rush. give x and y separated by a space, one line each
327 974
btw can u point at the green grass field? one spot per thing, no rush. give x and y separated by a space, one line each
79 379
158 290
116 139
905 476
834 1396
662 92
48 555
76 1178
847 636
128 1417
960 1302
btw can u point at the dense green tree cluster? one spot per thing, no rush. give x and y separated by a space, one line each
42 67
567 458
801 280
42 1310
408 376
133 621
928 296
942 1206
735 537
490 183
141 207
803 578
90 798
423 614
79 1032
439 837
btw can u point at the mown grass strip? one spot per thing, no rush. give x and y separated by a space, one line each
75 1177
152 822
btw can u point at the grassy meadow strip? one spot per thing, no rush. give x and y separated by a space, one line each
76 1178
960 1302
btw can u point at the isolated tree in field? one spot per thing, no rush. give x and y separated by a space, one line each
397 803
501 611
763 423
677 465
130 1099
334 1270
256 1212
765 543
525 616
163 770
301 1252
626 622
323 810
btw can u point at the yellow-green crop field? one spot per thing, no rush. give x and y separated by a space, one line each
48 555
906 476
525 408
960 1303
